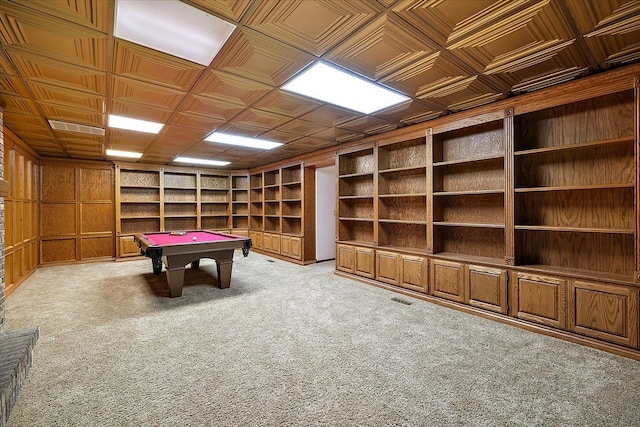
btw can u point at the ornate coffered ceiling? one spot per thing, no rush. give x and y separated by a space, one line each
60 61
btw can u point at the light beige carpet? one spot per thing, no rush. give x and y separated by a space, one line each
295 346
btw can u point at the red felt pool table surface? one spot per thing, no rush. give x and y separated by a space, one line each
201 236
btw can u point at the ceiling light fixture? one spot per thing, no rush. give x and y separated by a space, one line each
134 124
243 141
172 27
119 153
329 84
193 160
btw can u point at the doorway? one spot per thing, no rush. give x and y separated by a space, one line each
325 213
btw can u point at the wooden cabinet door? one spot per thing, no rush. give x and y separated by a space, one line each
256 239
413 273
296 247
447 280
275 243
541 299
604 311
127 247
345 258
364 262
388 267
487 288
285 245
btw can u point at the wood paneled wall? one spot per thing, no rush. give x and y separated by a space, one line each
21 211
77 215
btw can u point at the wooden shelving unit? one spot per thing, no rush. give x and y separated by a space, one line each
281 212
356 195
402 196
152 198
467 191
139 201
574 186
528 211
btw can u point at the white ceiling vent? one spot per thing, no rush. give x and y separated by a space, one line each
72 127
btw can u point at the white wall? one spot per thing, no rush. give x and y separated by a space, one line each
325 213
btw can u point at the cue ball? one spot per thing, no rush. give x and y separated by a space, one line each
195 238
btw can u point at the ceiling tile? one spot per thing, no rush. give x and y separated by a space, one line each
438 19
230 88
284 103
130 90
215 109
13 86
254 56
89 13
369 125
260 119
61 97
338 135
611 29
16 104
410 113
72 115
329 115
52 37
195 121
313 26
232 9
141 63
384 46
511 40
301 127
49 71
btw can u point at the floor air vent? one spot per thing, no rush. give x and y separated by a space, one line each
401 301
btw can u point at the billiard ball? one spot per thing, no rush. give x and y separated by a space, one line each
195 238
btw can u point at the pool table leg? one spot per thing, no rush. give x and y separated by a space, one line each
224 273
175 280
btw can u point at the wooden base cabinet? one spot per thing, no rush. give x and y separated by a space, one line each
388 267
402 270
447 280
256 239
271 242
603 311
486 288
291 247
540 299
127 247
355 260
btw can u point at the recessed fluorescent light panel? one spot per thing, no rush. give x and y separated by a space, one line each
243 141
172 27
128 154
134 124
195 161
340 88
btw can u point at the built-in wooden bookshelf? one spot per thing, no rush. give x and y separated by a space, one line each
239 203
281 212
527 210
574 183
356 195
402 195
466 195
152 198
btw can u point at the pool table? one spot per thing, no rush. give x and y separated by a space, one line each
176 249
